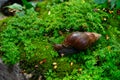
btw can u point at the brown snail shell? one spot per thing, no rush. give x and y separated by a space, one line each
77 41
80 40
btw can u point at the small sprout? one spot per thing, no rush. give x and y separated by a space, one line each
54 63
80 69
55 67
71 64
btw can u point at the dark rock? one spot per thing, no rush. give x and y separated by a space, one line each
10 72
2 2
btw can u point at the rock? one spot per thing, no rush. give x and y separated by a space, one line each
2 2
15 73
10 72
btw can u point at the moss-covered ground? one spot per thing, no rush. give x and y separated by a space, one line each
29 39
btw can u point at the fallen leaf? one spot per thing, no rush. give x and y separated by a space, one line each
43 61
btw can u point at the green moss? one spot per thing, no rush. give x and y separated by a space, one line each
28 39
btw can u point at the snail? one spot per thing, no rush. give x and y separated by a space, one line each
76 42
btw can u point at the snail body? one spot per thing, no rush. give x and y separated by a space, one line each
76 42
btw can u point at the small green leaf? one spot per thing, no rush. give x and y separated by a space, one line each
15 6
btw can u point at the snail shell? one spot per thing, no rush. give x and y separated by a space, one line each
77 41
81 40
